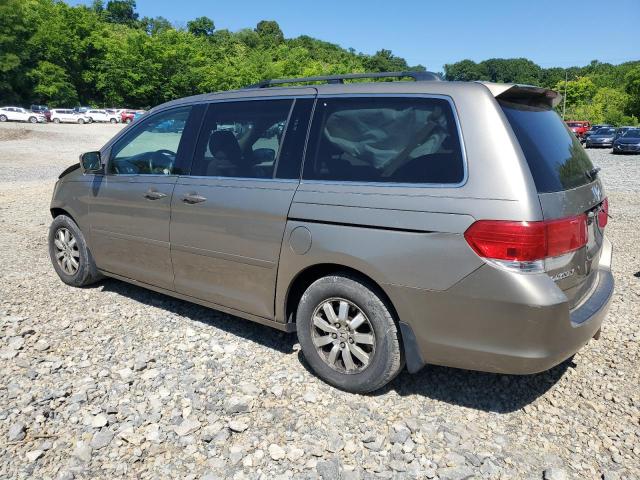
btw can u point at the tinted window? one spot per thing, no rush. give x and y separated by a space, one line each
632 134
241 139
290 160
556 159
152 147
377 139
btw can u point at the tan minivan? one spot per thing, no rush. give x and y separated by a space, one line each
387 223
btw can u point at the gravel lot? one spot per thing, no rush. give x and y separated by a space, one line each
117 382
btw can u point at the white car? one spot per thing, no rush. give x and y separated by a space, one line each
19 114
101 116
67 115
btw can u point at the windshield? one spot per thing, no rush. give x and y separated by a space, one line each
556 158
635 133
605 131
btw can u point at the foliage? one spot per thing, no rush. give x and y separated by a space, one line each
201 27
105 55
599 92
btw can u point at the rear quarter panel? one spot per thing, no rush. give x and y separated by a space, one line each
411 236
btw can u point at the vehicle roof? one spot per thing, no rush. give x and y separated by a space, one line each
356 88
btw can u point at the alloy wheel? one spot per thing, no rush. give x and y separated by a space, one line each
343 335
66 251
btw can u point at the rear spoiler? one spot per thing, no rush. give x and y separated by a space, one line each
523 93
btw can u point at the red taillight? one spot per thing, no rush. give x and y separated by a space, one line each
527 241
504 240
566 235
603 213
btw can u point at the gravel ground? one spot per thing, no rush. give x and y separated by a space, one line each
117 382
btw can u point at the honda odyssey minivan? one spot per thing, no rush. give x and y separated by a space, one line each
387 223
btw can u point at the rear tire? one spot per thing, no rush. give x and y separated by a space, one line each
127 121
80 121
56 120
71 258
364 352
113 120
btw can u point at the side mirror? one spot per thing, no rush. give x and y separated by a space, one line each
90 162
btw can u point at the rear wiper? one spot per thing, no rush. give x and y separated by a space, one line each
593 173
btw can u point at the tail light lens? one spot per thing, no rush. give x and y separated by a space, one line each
524 245
603 213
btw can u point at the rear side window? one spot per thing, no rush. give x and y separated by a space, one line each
556 159
384 139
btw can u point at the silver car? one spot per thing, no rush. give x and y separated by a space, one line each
387 223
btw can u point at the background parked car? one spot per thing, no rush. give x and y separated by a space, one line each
579 127
19 114
629 142
622 130
101 116
594 129
67 115
42 109
126 116
603 137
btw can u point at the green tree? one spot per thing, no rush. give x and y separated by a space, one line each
201 27
97 54
270 32
121 11
463 71
632 88
52 85
155 25
578 91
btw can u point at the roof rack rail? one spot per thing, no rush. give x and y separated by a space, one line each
417 76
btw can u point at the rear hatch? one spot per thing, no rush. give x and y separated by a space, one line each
567 183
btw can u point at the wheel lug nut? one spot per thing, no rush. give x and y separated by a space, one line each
351 340
334 335
342 345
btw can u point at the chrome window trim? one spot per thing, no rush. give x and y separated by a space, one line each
239 179
454 110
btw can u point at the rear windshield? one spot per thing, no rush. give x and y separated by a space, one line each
556 158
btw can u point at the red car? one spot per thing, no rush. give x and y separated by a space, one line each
579 127
127 116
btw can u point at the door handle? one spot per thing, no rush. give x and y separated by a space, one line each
153 195
193 198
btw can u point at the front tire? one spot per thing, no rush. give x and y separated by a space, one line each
113 120
348 334
33 120
3 118
80 121
71 258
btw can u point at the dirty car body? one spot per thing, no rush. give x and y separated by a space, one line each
483 239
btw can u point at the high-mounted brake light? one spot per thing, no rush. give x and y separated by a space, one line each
523 245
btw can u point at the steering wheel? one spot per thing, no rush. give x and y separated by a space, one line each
161 161
125 167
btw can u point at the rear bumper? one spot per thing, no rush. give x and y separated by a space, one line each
498 321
